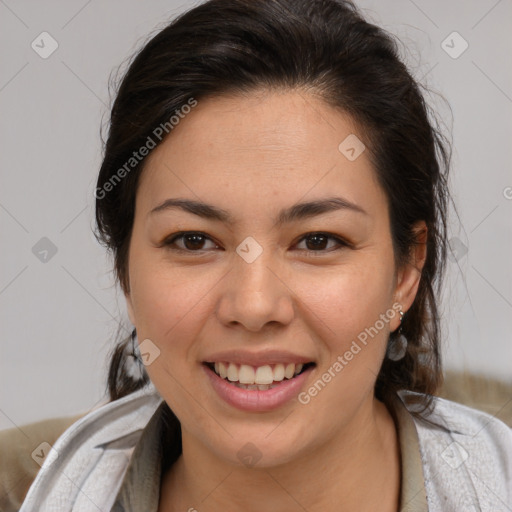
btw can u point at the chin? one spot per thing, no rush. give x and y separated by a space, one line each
259 451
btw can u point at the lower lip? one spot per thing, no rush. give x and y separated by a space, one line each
254 400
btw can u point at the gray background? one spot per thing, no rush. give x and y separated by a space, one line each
58 318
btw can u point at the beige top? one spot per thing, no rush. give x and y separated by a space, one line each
161 441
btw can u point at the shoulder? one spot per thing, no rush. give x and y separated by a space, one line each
92 454
466 455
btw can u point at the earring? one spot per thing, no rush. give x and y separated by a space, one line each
397 346
133 365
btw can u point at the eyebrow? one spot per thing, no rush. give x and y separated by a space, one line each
293 213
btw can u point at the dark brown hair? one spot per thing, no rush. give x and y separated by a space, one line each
324 47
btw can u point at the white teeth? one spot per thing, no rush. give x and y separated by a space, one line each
264 375
246 375
261 387
232 372
223 371
279 372
259 377
289 371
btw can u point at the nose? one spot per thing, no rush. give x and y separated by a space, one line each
254 295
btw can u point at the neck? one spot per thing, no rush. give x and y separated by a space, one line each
357 469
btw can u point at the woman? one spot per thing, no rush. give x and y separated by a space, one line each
274 196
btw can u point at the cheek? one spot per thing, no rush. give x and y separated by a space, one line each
349 297
171 305
162 303
168 309
346 309
345 312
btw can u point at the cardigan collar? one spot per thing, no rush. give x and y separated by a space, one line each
160 444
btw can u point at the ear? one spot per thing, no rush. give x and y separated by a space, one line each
129 307
409 276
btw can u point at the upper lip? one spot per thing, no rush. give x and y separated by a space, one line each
260 358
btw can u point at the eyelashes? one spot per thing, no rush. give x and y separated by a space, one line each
170 242
198 237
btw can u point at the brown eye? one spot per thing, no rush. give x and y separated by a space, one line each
191 241
317 242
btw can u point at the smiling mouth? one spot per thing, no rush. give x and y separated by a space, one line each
257 378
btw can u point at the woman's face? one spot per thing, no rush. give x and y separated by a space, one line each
261 291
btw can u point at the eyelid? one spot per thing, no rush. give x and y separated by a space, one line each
167 242
337 238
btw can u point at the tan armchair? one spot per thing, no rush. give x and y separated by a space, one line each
17 467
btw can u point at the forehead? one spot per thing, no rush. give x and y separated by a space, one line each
264 147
